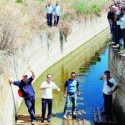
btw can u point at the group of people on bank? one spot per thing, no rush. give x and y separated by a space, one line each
71 90
116 18
51 12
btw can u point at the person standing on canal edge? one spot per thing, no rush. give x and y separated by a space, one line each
70 92
25 85
47 87
56 13
109 87
49 14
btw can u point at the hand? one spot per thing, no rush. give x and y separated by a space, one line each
111 92
78 93
101 77
29 68
58 89
64 95
10 80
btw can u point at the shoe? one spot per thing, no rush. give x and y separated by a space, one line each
74 115
103 113
33 122
42 120
64 116
49 119
116 46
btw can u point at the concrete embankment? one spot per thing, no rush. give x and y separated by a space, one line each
117 67
41 53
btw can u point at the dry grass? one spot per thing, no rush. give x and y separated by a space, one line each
20 20
31 16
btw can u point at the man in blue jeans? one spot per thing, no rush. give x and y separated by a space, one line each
70 92
56 13
25 85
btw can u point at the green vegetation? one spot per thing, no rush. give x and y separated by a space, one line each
19 1
90 6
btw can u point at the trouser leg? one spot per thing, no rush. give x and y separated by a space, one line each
30 103
105 103
49 19
55 20
123 36
49 108
74 99
66 103
43 108
109 103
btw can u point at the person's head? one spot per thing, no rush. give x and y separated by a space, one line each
49 3
107 73
24 78
120 6
123 9
57 3
73 75
49 77
113 8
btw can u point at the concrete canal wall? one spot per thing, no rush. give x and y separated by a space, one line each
117 68
41 53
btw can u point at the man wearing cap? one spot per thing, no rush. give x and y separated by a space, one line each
25 85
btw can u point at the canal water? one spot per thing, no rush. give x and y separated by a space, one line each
91 87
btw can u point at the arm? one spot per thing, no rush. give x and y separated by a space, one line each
56 87
101 78
112 91
65 89
33 75
65 93
17 83
122 19
43 86
78 88
114 88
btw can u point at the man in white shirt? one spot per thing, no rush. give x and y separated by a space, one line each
56 13
109 87
47 87
49 14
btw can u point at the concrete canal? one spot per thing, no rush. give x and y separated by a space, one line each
89 62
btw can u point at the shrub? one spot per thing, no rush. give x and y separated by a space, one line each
19 1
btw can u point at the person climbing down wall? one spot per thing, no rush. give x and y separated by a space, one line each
28 93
